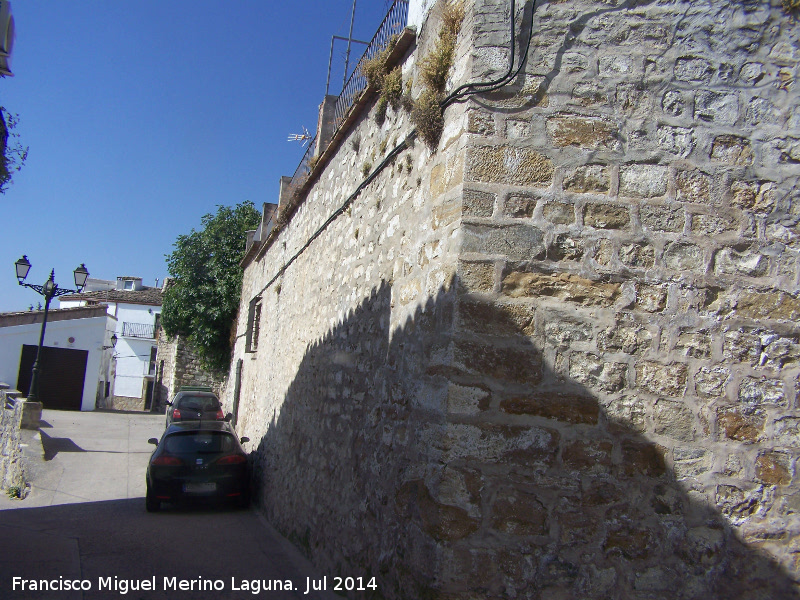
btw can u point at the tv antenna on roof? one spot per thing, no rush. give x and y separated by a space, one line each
300 137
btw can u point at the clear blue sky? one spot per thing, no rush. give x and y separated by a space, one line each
143 116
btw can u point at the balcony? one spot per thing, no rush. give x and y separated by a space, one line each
138 330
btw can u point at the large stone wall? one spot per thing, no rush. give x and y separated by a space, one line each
558 356
178 365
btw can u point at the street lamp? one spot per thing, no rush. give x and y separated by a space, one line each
49 290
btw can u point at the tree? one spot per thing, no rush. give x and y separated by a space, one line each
201 301
13 154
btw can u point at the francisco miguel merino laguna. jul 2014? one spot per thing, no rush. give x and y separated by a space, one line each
254 586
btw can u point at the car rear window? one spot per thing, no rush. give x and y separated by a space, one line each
202 442
204 403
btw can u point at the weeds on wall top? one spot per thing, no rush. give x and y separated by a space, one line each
426 112
388 83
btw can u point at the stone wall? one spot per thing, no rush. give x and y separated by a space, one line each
12 470
557 357
178 365
630 244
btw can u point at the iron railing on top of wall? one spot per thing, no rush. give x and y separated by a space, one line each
393 24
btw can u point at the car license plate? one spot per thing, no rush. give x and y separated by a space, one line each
199 488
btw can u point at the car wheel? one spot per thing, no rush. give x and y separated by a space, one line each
151 503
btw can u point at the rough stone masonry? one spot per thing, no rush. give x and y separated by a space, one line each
558 355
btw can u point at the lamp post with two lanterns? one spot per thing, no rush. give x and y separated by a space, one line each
49 290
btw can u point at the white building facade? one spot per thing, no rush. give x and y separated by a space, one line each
76 354
136 309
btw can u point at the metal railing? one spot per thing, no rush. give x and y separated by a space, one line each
393 24
138 330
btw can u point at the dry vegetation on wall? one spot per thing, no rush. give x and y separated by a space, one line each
426 112
388 83
791 5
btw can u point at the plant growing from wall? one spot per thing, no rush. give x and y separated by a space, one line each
200 302
12 153
791 5
426 112
388 83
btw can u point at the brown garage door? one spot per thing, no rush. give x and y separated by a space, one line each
61 376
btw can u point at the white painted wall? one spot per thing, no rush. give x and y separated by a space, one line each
417 12
131 362
132 355
90 334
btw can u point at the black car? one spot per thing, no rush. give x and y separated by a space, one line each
198 460
194 406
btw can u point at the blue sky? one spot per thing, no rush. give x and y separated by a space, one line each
143 116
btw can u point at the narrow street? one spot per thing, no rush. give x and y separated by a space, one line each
84 525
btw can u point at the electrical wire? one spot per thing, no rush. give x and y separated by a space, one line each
463 91
468 89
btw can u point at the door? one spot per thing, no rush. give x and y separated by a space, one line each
62 372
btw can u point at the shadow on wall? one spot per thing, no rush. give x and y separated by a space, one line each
448 461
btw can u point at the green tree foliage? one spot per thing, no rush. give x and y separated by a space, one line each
12 153
202 298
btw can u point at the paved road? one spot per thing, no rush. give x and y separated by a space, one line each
84 522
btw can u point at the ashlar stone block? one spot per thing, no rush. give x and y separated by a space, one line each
732 150
774 468
657 217
508 164
710 382
564 286
717 107
662 379
755 392
693 186
517 242
606 216
587 179
643 181
674 419
683 256
591 133
559 213
568 408
741 425
597 373
731 262
693 68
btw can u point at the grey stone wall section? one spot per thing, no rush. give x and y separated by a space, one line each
12 469
181 366
558 356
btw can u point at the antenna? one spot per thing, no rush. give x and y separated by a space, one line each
300 137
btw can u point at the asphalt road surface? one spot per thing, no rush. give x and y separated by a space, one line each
84 525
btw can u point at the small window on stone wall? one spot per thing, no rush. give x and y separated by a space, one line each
253 324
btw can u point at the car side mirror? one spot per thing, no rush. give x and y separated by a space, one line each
244 440
153 441
169 403
228 417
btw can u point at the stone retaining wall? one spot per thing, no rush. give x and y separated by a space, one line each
557 357
12 471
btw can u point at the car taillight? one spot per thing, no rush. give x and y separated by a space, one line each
165 460
220 415
176 414
232 459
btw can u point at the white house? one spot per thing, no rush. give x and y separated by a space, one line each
137 309
75 356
